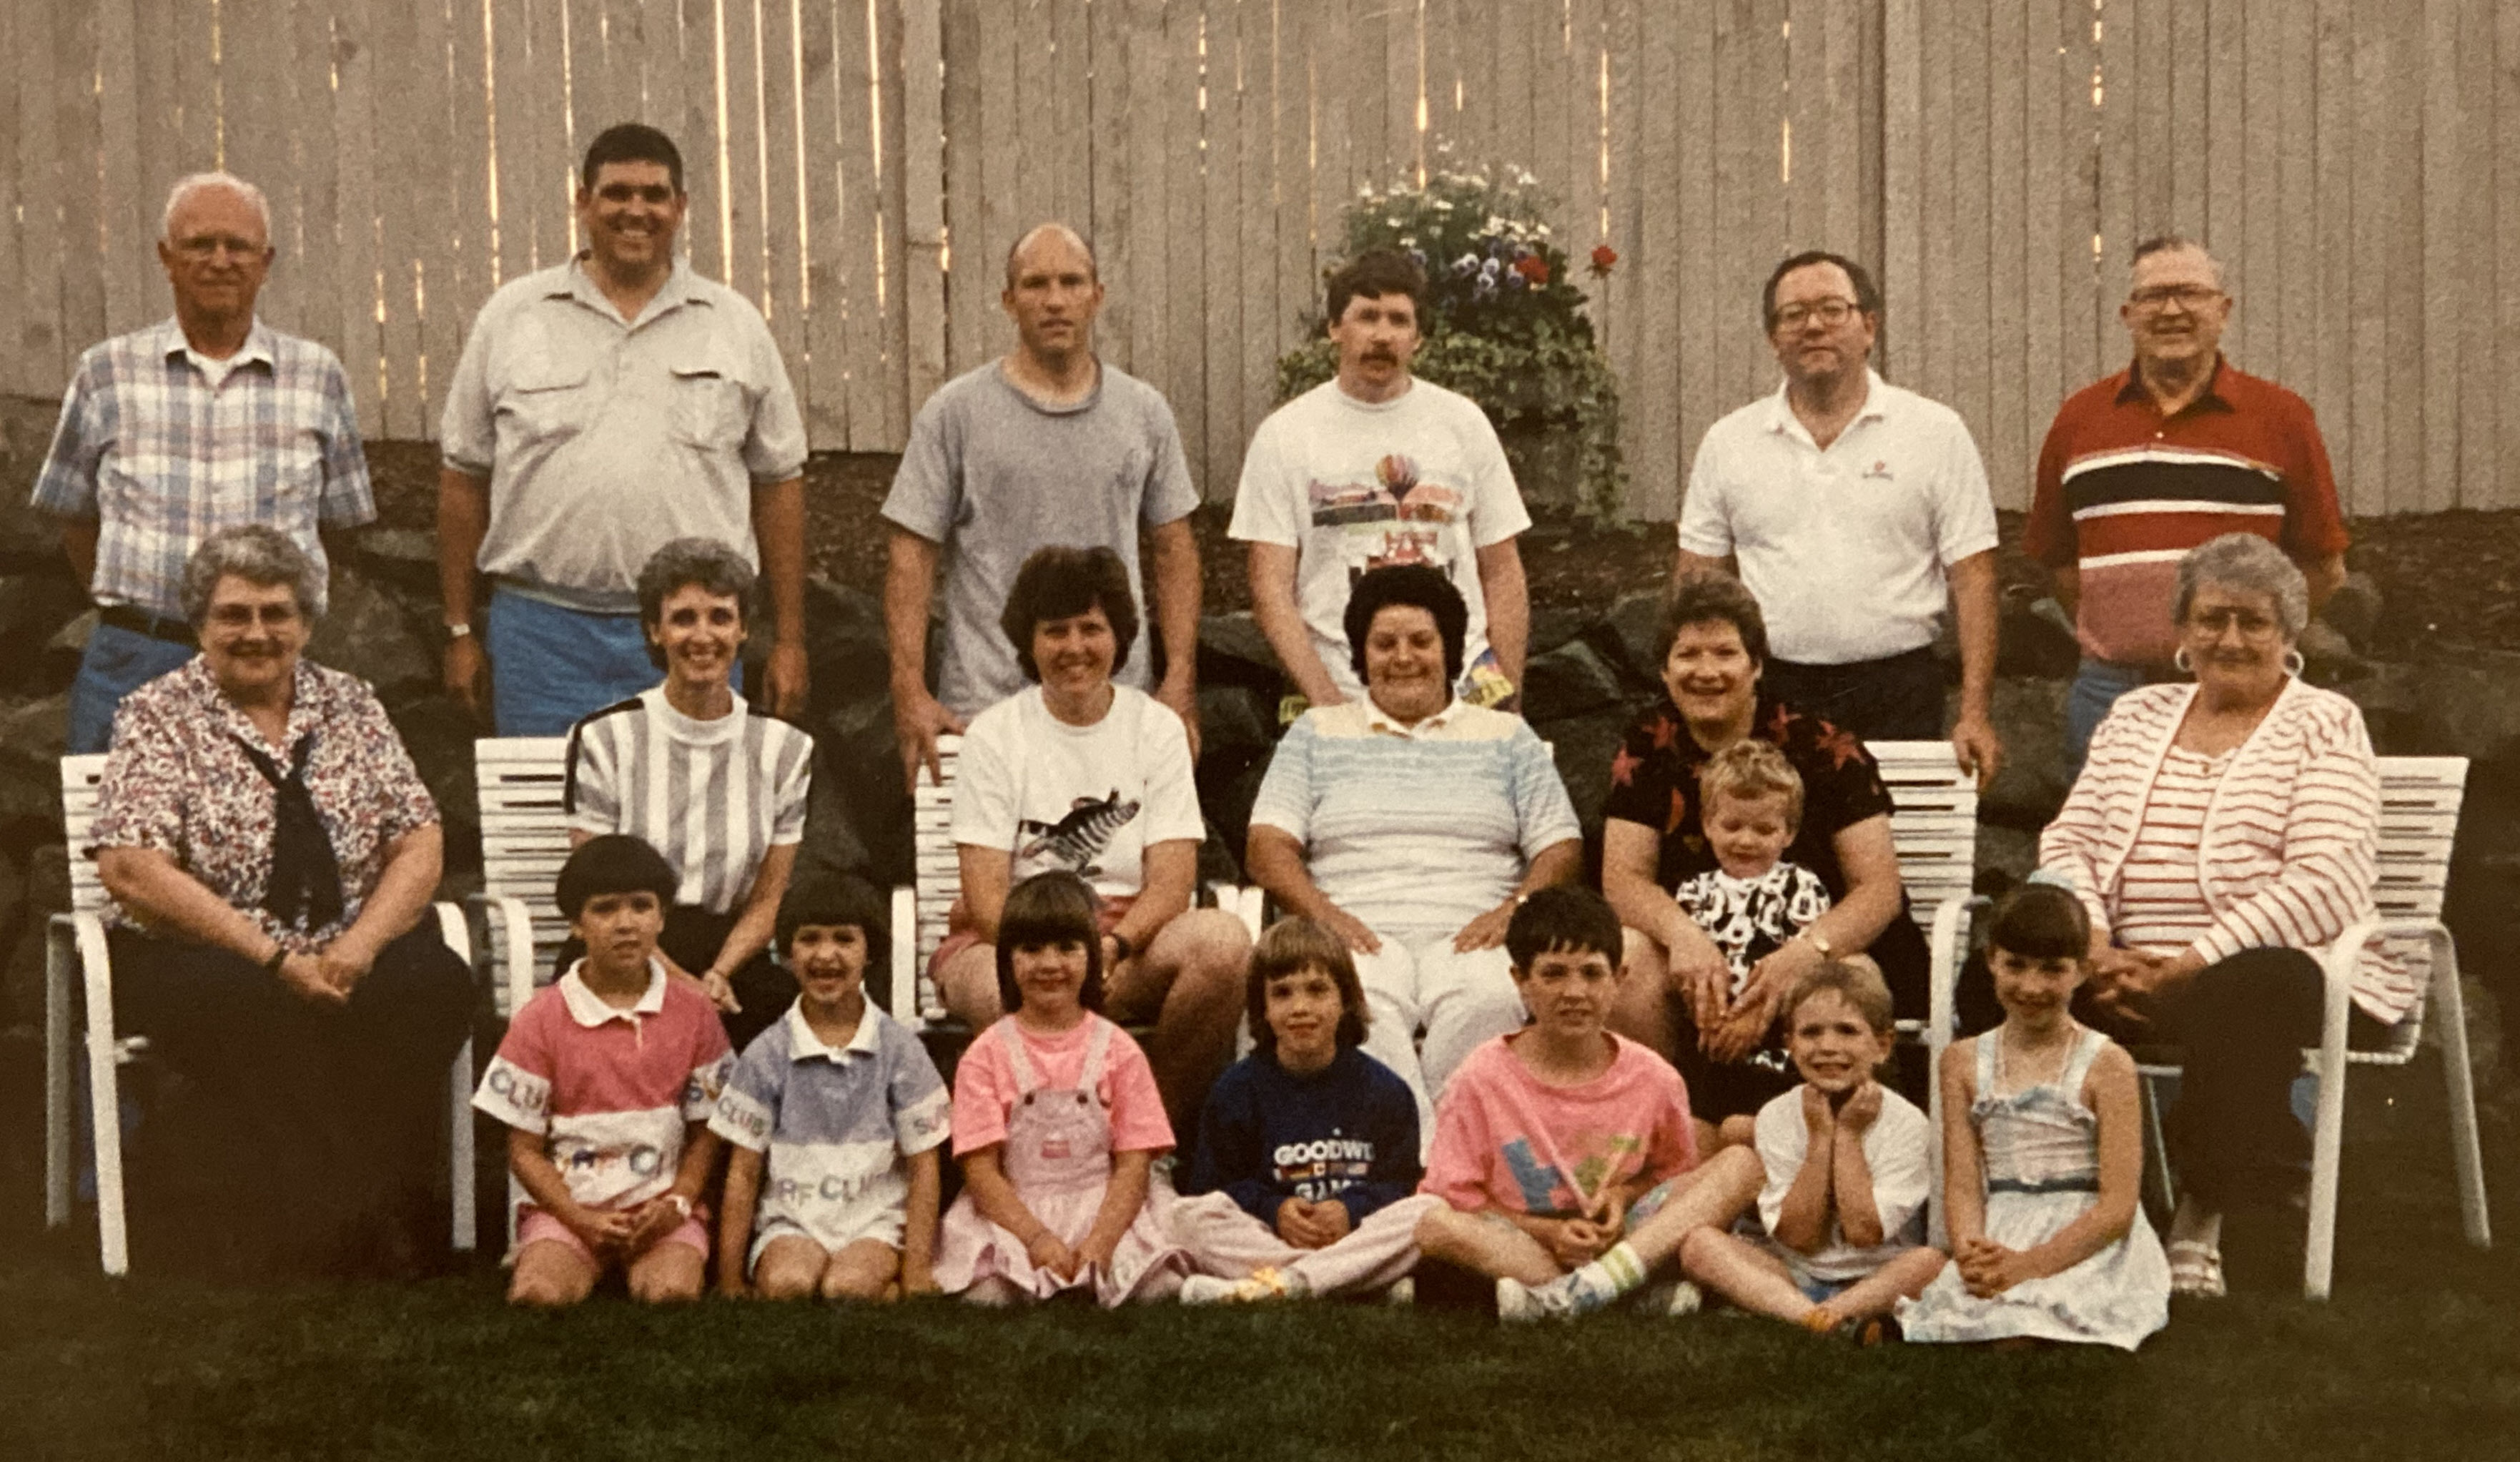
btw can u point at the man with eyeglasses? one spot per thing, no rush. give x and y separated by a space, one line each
1856 513
2178 448
199 422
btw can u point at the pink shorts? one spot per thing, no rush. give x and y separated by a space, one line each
960 935
536 1226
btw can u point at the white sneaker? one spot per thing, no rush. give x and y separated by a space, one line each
1403 1291
1264 1284
1519 1304
1674 1298
1206 1289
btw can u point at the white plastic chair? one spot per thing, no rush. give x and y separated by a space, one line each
2419 802
75 946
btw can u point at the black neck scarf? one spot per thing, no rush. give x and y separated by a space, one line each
305 890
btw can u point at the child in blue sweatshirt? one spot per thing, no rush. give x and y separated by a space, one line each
1304 1183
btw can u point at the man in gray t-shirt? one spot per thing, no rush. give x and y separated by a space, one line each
1046 445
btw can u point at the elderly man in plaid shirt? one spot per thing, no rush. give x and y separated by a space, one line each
194 424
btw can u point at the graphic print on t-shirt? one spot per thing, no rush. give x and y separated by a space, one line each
1603 1158
1075 841
1397 518
1324 1167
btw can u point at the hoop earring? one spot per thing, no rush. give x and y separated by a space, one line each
2179 657
2293 663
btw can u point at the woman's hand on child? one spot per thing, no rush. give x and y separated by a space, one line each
1743 1029
1704 978
1048 1252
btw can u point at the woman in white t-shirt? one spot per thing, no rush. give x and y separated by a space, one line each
688 767
1076 772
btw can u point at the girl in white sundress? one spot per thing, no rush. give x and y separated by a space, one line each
2042 1159
1056 1123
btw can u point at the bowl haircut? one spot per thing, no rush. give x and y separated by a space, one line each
614 864
829 900
1563 920
1291 946
2040 921
1050 908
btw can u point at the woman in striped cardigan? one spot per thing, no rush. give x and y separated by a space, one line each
2219 833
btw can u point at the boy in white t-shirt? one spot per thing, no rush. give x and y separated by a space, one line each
1077 773
1375 468
1849 1167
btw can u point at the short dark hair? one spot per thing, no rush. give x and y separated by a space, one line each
1291 946
2041 919
1375 273
1706 596
1050 908
834 899
1868 295
614 864
678 563
1563 919
630 142
1060 581
1408 584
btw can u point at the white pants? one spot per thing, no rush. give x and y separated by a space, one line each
1418 980
1224 1240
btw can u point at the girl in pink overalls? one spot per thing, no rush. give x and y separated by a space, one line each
1057 1124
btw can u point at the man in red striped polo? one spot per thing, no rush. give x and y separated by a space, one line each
2180 447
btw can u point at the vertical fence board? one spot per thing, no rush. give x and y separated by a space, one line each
2226 150
197 88
703 179
784 207
1290 191
1903 122
838 254
45 354
917 143
400 167
354 132
2295 236
1116 183
2443 287
157 105
2478 406
19 374
433 243
257 112
78 135
1665 297
2502 488
317 235
1222 221
2043 233
2408 388
747 182
1070 117
2087 344
1344 160
1175 273
123 185
877 277
1508 139
2006 238
2330 387
1971 219
965 179
2188 120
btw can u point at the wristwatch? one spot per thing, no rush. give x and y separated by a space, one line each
682 1205
1819 941
459 632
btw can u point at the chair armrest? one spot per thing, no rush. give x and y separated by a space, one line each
517 923
905 959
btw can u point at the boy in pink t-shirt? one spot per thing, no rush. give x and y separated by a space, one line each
606 1080
1563 1153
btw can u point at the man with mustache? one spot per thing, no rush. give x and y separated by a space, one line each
1375 468
1047 445
200 422
2178 448
1856 513
603 407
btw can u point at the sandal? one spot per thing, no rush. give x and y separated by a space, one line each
2196 1269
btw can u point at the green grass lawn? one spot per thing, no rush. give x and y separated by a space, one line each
2417 1356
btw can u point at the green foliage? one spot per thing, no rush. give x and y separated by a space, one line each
1504 323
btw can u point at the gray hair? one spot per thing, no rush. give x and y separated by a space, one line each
201 182
258 554
2251 564
705 562
2176 244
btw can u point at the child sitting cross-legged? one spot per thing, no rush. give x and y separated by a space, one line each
606 1080
1849 1167
834 1116
1564 1153
1057 1124
1307 1156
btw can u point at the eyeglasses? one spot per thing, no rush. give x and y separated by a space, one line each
209 246
246 616
1829 312
2214 621
2188 297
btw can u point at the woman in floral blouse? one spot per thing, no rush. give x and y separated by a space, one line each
271 853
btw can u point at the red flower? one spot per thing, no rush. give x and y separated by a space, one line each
1533 267
1623 768
1604 258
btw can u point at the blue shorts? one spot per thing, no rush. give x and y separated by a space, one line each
552 666
1816 1290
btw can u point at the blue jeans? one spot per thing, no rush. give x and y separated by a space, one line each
2096 687
117 662
552 666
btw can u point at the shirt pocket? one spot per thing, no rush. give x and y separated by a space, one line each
547 400
709 406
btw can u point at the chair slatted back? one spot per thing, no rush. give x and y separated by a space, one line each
80 776
1933 821
937 872
524 838
2419 804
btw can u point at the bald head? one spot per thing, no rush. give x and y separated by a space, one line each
1047 245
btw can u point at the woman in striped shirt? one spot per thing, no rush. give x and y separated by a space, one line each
691 768
2219 834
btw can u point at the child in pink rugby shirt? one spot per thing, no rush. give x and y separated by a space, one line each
1563 1153
606 1080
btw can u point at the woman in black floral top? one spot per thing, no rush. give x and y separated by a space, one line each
1678 996
271 854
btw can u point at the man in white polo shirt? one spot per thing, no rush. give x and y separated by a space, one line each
1855 511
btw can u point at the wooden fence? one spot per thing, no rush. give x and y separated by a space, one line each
860 166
